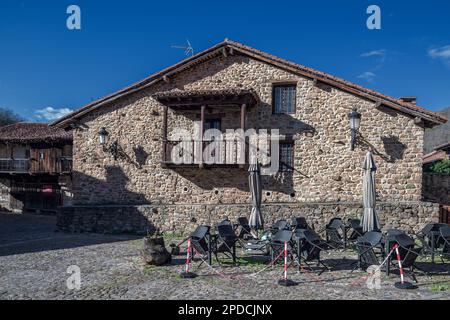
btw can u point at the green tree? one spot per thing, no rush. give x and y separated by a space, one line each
442 166
8 117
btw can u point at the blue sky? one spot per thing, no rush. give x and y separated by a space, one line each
46 69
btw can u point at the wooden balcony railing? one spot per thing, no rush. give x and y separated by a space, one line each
61 165
14 165
192 153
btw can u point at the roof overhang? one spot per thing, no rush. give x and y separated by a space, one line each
209 98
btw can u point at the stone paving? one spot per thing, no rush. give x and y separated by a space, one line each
34 261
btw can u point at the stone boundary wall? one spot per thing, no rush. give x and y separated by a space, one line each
182 219
436 187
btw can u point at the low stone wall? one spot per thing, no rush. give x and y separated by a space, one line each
436 187
410 216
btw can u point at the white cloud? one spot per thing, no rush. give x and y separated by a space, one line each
441 53
367 76
381 53
51 114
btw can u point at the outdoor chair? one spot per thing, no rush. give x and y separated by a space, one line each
366 254
445 238
199 242
279 225
430 237
225 241
334 233
356 230
408 254
277 244
243 228
309 245
299 223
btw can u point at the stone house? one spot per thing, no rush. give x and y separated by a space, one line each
131 184
35 167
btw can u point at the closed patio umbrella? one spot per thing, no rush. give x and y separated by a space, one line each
256 221
369 221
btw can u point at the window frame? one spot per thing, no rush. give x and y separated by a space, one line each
281 85
286 167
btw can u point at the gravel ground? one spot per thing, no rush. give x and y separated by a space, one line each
34 261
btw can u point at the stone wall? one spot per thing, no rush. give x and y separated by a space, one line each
436 187
409 216
326 170
5 197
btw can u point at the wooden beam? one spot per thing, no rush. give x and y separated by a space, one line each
224 52
202 131
243 120
166 79
164 135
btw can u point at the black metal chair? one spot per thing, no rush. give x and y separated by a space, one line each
334 233
225 241
279 225
309 245
356 230
277 243
243 228
199 242
366 254
429 237
408 254
299 223
445 238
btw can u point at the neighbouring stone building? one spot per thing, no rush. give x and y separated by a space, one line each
130 184
35 168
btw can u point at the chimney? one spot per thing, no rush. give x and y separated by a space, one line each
412 100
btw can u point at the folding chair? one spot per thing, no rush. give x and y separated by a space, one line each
429 238
445 238
243 228
279 225
299 223
310 245
277 244
334 233
408 254
225 241
366 254
356 230
199 242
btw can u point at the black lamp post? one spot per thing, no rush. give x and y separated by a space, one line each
355 121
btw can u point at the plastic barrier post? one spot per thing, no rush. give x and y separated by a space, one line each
285 282
402 284
187 274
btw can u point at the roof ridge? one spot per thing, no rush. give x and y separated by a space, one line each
304 70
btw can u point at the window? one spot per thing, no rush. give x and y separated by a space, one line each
287 156
284 98
212 124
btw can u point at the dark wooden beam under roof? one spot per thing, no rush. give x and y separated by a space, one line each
194 99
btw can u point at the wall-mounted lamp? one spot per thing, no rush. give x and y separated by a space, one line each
103 136
355 122
114 149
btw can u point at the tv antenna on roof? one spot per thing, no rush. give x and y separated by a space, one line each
188 49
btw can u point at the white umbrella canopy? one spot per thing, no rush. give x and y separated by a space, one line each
256 221
370 220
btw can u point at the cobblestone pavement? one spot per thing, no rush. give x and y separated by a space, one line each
34 260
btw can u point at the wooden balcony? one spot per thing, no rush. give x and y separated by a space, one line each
197 153
61 165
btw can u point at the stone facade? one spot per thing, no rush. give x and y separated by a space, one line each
325 168
409 216
5 196
436 187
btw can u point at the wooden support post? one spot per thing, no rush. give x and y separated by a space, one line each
243 120
164 136
202 131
